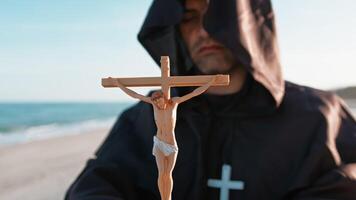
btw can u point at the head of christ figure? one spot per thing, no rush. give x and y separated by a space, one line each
159 100
210 56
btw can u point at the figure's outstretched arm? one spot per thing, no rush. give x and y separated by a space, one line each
130 92
195 92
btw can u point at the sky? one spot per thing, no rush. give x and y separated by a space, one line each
60 50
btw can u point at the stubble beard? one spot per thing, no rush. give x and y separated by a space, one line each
216 64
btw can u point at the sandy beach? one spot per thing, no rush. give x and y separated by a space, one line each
43 170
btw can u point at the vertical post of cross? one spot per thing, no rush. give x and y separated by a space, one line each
165 73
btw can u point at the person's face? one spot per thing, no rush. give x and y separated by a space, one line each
160 103
210 56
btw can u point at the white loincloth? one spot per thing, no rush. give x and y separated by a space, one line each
166 149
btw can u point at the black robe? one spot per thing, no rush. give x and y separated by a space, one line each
282 140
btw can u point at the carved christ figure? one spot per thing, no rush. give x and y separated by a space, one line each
165 147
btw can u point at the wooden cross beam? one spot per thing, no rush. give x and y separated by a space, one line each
166 81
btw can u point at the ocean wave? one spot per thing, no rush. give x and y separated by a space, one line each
53 130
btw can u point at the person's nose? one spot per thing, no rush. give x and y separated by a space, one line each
201 30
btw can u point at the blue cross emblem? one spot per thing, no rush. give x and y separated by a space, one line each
225 184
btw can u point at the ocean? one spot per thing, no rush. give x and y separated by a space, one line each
23 122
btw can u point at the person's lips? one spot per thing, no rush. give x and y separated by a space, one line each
209 49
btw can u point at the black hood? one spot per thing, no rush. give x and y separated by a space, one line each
246 27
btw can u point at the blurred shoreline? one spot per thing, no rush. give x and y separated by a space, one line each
53 130
25 122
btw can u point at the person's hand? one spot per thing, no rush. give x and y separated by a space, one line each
119 84
215 78
219 77
116 82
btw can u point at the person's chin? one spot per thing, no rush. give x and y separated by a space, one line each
210 68
211 63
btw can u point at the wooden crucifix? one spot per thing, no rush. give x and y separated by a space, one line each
165 147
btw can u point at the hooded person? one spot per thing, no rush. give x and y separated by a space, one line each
270 140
